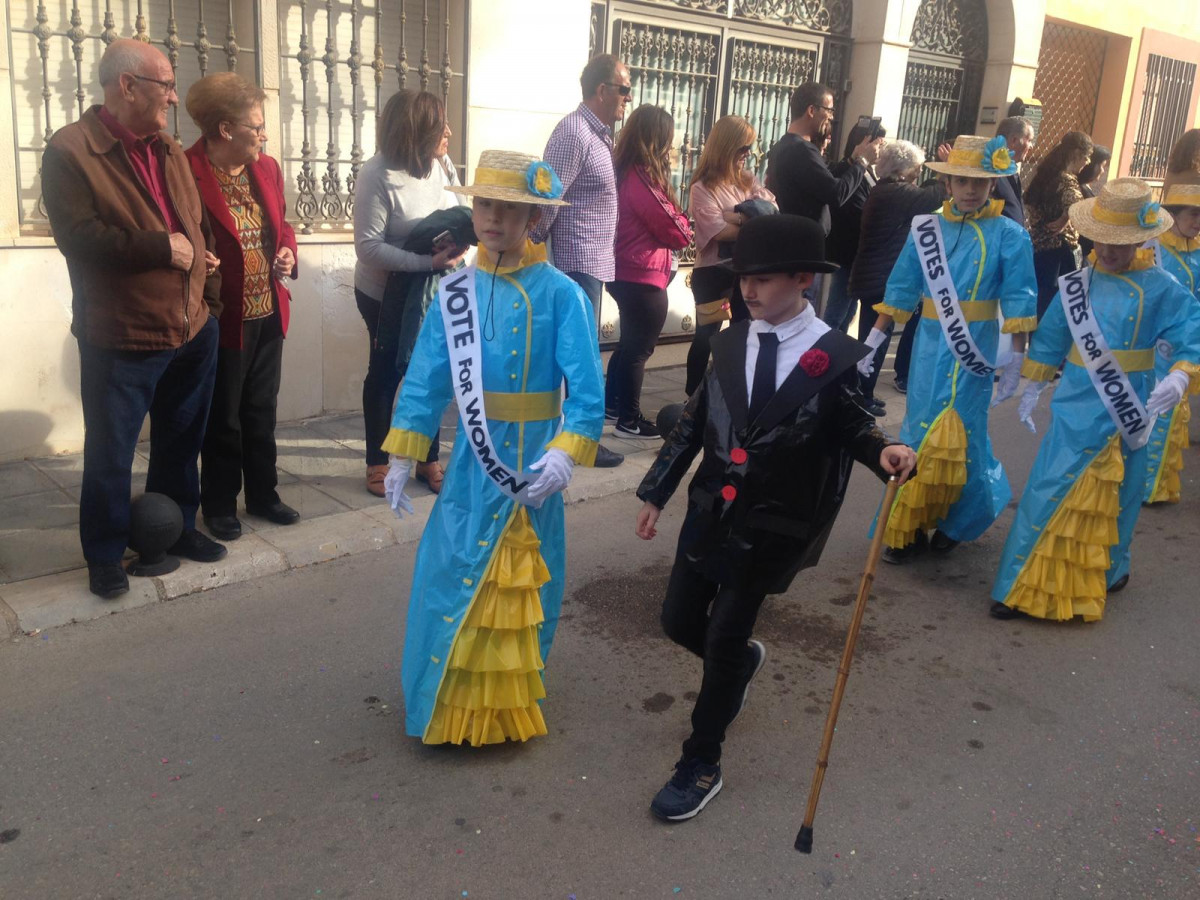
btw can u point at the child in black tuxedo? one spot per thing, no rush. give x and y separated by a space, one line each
781 420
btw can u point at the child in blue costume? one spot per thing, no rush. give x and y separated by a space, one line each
1178 252
488 582
959 487
1069 543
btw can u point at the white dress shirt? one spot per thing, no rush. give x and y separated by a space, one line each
796 336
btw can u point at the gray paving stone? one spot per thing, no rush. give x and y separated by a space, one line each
39 534
59 599
20 478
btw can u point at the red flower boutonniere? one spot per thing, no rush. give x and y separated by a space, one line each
815 363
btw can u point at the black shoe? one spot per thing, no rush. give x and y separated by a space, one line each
1003 611
641 427
107 580
226 528
875 408
757 661
278 512
197 547
1119 584
607 459
898 556
901 384
689 790
940 543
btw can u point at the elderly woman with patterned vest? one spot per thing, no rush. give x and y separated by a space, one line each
976 263
1177 251
242 188
501 338
1068 548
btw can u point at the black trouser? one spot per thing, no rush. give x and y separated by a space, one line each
379 387
866 321
118 389
643 310
240 439
714 622
711 283
1048 266
904 348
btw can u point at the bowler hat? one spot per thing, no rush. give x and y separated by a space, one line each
780 243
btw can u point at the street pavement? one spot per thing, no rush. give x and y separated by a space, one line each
246 742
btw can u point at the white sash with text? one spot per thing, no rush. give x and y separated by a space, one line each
460 314
931 248
1108 378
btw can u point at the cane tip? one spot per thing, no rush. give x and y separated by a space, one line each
804 839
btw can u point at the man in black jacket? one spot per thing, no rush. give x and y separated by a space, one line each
1018 132
781 421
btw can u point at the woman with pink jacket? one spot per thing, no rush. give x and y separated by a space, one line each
650 225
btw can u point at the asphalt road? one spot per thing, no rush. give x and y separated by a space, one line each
246 742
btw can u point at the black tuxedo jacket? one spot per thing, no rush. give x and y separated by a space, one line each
754 524
1009 190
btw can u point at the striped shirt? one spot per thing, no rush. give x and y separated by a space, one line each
582 234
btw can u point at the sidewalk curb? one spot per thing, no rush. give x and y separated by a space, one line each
49 601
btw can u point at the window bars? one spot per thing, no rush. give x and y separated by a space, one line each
1164 117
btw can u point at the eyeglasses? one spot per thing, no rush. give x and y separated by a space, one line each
828 109
168 86
260 130
745 151
623 89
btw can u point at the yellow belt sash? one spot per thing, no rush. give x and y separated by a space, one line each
535 406
973 310
1129 360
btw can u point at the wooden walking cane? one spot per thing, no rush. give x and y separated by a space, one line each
804 839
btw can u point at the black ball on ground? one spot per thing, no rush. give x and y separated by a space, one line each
667 417
155 523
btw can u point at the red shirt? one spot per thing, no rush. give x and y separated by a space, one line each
146 165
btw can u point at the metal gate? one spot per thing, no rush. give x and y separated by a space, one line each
1067 84
1165 101
945 72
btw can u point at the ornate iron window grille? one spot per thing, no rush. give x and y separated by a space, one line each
822 16
1164 117
1067 83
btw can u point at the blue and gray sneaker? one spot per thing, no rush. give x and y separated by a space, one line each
689 790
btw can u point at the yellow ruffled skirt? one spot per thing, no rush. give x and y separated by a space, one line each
1166 484
492 683
924 500
1066 572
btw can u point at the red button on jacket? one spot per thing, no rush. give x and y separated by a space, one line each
728 493
738 455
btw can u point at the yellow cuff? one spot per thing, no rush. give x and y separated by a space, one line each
1021 325
1193 374
1036 371
576 446
899 316
412 444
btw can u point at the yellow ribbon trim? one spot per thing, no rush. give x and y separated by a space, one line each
400 442
1142 259
899 316
529 407
576 446
973 310
1037 371
1112 217
500 178
1182 195
989 210
1019 325
1193 373
971 158
1129 360
531 253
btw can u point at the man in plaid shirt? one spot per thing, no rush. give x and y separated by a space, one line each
580 150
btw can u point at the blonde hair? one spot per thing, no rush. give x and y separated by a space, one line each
223 97
719 160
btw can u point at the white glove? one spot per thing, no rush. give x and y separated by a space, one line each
1029 402
1166 396
399 469
556 467
1009 378
874 340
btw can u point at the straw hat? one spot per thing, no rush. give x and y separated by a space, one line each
978 157
504 175
1181 189
1122 213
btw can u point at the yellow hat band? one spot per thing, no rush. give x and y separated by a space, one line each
1112 217
970 158
1182 195
501 178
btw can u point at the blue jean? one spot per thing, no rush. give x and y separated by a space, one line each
594 288
839 311
119 388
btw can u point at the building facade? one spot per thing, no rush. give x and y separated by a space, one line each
509 70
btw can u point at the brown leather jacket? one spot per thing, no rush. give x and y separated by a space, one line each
125 294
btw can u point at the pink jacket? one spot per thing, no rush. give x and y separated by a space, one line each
649 227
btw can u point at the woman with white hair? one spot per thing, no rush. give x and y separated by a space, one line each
886 218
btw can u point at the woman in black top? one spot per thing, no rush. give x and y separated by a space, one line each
842 244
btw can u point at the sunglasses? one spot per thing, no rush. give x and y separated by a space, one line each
744 150
623 89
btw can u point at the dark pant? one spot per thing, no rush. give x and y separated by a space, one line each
594 288
119 388
241 424
1048 267
643 309
866 321
839 310
711 283
379 387
714 622
904 348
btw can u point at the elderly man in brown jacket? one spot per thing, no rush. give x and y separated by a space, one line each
126 214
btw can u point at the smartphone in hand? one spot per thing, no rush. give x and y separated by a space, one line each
443 241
